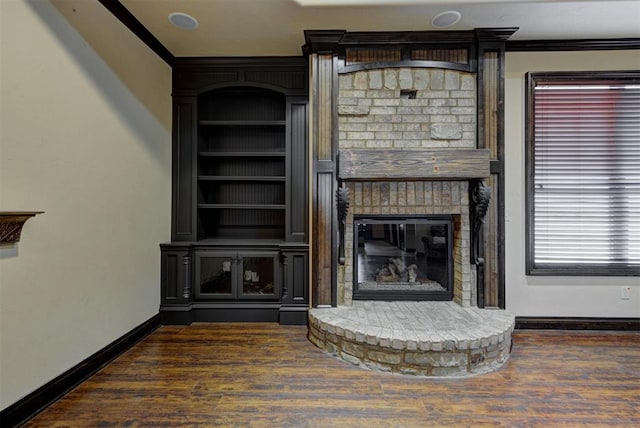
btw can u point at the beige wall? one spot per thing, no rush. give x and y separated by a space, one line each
87 140
553 296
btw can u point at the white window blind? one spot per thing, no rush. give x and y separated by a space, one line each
586 176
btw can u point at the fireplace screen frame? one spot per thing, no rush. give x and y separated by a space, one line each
411 295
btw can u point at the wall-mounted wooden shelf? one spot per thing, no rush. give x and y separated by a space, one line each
11 223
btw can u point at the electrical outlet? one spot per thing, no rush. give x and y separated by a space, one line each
624 292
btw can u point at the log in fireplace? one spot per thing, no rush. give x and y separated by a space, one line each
403 258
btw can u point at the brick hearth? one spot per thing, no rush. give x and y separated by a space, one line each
418 338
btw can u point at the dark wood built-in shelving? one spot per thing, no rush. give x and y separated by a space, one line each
239 192
245 206
240 178
252 119
242 154
243 122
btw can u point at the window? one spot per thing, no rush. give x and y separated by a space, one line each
583 173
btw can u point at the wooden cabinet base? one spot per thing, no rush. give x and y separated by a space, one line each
234 281
233 312
294 315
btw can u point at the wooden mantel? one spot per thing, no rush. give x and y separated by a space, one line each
11 223
413 165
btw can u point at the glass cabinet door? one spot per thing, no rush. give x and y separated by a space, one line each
215 276
258 276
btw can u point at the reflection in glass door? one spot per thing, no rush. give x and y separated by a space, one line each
258 276
216 275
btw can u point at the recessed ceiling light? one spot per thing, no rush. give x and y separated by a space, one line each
446 19
182 20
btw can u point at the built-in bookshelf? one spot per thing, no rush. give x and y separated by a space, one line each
241 164
239 231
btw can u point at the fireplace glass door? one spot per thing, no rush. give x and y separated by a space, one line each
403 258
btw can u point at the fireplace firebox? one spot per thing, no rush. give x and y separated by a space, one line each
403 258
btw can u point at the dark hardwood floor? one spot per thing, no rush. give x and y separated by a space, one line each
270 375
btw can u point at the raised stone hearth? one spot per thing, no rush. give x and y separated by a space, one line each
418 338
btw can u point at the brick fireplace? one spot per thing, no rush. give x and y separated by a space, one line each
411 198
407 125
406 116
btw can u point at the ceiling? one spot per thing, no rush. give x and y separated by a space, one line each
276 27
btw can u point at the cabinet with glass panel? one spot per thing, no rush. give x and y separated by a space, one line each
223 275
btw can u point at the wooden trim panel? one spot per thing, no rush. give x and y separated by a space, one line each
578 323
572 45
469 68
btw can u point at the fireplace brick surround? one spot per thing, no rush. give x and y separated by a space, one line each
405 123
402 109
413 198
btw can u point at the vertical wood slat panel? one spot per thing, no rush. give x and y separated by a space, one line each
460 56
325 101
297 219
360 55
323 251
490 137
184 152
491 78
492 239
324 178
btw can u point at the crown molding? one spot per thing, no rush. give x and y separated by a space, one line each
131 22
572 45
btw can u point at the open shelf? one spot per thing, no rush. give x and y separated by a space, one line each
241 221
245 206
240 178
242 139
243 122
241 154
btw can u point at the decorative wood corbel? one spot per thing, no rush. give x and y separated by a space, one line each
480 196
343 200
11 223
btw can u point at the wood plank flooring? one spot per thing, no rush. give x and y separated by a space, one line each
267 375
